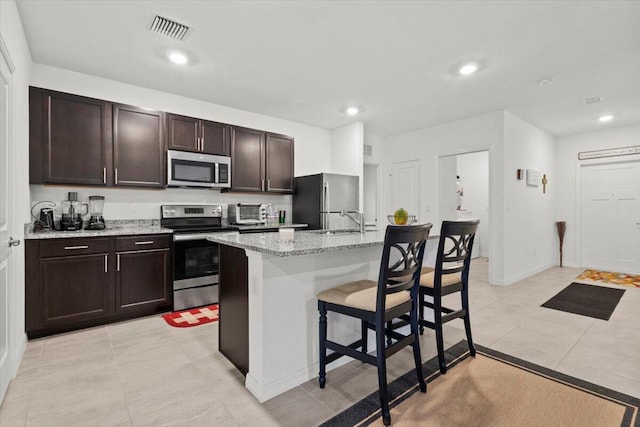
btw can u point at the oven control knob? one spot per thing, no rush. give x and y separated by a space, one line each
169 212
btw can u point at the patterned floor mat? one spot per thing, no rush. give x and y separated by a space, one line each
192 317
611 277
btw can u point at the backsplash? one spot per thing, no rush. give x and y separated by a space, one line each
121 203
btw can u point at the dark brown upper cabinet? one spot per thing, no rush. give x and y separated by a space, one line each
247 159
279 163
261 161
138 147
69 139
84 141
202 136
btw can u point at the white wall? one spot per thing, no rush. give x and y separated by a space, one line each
567 193
529 215
13 36
473 169
376 142
312 144
370 194
346 152
483 132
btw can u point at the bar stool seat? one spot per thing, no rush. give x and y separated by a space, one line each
428 279
362 295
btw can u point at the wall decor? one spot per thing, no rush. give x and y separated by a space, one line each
611 152
533 177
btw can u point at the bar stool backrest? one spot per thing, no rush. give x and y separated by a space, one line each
454 249
402 256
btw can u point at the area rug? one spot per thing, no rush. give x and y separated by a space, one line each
586 300
494 389
193 317
612 277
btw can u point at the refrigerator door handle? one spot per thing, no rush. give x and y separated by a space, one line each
327 208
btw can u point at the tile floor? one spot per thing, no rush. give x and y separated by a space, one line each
145 373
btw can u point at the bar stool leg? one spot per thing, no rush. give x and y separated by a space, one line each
322 378
365 336
413 318
437 313
382 373
467 321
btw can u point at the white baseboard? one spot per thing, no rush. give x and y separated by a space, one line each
513 279
264 392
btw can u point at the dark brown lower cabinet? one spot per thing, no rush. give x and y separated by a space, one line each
81 282
233 325
74 289
143 280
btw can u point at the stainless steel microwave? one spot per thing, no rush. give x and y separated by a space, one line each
186 169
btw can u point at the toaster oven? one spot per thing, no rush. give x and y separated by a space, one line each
247 213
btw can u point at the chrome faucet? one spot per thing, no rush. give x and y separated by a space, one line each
359 220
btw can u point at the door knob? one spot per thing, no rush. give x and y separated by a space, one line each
13 242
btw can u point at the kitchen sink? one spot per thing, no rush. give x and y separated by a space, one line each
337 232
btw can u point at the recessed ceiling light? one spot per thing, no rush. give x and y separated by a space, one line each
545 82
605 118
352 111
178 58
468 69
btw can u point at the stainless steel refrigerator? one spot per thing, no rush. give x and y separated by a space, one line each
319 199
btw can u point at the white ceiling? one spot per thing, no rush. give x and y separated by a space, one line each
306 60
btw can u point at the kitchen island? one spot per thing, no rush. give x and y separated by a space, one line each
268 306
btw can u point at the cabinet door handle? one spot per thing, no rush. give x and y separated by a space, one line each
262 185
118 262
104 175
76 247
106 263
202 144
146 242
116 175
268 185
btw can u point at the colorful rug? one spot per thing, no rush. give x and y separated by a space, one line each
193 317
612 277
493 389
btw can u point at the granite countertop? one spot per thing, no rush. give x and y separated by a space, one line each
114 228
304 243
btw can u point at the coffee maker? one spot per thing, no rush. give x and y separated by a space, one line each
96 206
72 212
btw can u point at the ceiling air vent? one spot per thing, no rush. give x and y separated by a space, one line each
593 100
368 150
169 28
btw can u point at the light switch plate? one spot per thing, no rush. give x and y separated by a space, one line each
534 178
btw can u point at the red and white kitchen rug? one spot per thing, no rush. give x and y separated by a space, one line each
193 317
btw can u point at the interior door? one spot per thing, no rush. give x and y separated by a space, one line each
405 187
611 217
5 186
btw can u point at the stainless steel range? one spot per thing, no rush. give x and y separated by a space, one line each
195 268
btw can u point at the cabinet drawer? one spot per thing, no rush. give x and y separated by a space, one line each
144 242
70 247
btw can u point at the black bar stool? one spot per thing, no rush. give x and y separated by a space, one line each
451 274
375 303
